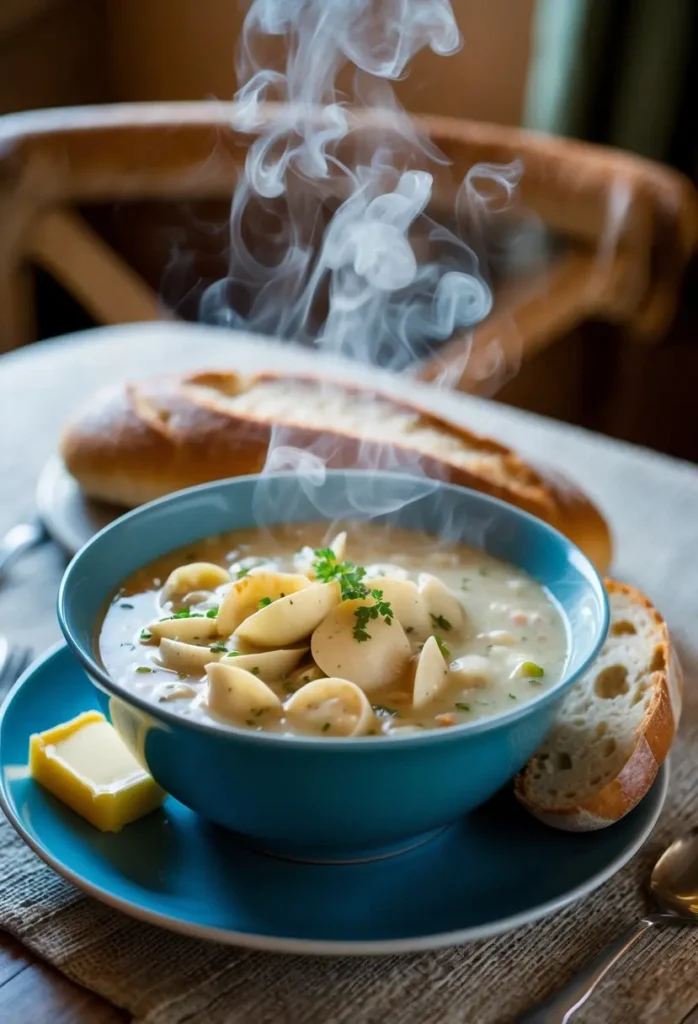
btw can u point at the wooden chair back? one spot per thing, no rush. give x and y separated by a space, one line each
628 225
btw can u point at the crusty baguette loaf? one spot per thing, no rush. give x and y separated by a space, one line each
135 443
615 727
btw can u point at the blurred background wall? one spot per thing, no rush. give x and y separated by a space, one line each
176 49
612 71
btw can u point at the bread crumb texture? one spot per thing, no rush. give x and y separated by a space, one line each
600 722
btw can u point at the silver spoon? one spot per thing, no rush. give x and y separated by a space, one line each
674 887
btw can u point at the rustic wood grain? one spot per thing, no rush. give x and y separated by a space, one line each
32 991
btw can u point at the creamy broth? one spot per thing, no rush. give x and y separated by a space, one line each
386 631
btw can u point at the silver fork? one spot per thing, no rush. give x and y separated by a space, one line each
14 659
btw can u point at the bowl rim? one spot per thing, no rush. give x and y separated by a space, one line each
339 743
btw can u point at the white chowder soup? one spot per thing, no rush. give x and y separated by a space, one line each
376 631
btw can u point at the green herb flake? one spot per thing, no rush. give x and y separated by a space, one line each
441 622
443 646
250 721
512 696
125 604
366 613
242 573
258 711
410 629
143 668
212 613
146 634
255 670
462 707
130 646
185 613
349 576
218 649
328 569
529 668
326 727
264 603
233 654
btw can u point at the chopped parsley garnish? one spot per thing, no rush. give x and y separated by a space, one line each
410 629
242 573
125 604
350 577
326 727
212 613
255 670
462 707
143 668
381 709
512 696
367 612
264 603
441 622
131 647
218 649
233 654
529 668
146 634
250 721
258 711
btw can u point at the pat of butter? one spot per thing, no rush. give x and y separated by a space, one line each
86 764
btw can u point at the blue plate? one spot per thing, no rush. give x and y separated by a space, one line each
494 870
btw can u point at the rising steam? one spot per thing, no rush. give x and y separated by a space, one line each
332 240
331 243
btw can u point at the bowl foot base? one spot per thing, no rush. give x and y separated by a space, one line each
341 855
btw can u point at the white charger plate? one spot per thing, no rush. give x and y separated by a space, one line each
70 518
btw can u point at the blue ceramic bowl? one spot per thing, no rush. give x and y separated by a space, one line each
320 797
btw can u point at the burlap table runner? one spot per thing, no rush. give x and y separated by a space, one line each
160 978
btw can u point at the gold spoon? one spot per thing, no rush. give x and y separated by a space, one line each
674 887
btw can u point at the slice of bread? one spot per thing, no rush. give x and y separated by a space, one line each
137 442
614 728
